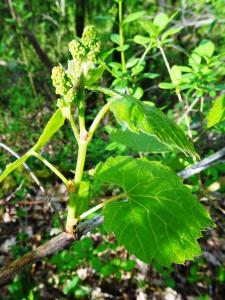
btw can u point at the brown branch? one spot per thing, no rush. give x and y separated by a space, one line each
203 164
21 43
56 244
30 36
64 239
39 51
80 16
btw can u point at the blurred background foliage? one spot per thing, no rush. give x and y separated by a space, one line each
34 38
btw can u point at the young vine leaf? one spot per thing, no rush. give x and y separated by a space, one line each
160 220
12 166
140 142
53 125
138 117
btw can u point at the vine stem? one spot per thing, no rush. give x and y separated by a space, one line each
99 206
81 157
71 215
84 139
50 166
81 107
74 128
121 36
98 119
177 89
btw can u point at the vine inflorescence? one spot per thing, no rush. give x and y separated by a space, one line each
84 52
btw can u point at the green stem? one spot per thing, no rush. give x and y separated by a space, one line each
98 119
84 140
81 156
71 216
99 206
121 36
82 150
164 57
81 118
50 166
144 54
189 109
81 106
185 104
74 128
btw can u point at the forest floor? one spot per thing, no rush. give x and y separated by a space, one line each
26 223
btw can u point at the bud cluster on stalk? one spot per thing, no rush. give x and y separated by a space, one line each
84 52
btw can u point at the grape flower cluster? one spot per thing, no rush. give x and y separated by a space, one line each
84 52
87 49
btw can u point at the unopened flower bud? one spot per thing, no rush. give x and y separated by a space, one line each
70 95
90 41
93 52
77 50
62 83
58 75
60 89
89 36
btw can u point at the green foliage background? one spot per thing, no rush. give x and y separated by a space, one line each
27 100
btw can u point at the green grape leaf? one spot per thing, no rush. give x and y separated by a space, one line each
217 112
158 219
53 125
134 16
12 166
83 197
138 116
140 142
